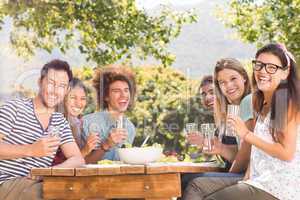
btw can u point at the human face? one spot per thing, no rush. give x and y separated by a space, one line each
118 96
53 87
232 85
207 96
267 82
75 101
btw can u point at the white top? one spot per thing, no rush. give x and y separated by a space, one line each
279 178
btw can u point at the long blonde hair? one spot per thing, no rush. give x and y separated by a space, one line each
221 101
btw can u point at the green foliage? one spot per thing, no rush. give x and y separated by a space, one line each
166 100
264 21
105 31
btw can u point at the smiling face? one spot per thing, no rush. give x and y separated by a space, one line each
232 85
266 82
207 96
118 96
53 87
75 101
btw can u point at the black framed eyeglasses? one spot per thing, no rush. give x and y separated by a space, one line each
269 67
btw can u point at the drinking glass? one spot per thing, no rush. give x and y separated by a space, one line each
191 128
95 129
53 131
233 110
121 126
208 130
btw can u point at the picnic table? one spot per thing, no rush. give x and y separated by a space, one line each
154 181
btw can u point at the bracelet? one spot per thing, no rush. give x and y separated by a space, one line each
247 133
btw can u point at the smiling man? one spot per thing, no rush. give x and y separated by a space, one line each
25 138
206 91
115 87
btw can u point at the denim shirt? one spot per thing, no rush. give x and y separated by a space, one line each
102 123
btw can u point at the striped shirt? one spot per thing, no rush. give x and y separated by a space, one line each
19 125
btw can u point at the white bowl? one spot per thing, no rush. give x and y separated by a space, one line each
140 155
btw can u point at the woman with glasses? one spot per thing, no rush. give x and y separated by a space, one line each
273 172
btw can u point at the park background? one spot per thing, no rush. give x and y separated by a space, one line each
169 44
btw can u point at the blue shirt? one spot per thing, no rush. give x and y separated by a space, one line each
246 108
102 123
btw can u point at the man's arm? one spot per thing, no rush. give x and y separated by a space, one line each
42 147
94 156
116 136
73 155
97 154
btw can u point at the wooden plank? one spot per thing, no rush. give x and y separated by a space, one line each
132 169
93 170
86 171
63 172
155 186
41 171
180 167
109 170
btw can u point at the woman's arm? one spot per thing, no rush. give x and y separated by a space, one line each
283 149
242 158
247 174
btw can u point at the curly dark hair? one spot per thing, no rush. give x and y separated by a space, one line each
104 77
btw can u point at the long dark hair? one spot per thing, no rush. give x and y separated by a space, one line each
286 96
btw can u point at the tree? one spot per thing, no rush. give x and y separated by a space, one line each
165 101
261 21
105 31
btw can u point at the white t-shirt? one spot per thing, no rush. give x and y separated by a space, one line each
279 178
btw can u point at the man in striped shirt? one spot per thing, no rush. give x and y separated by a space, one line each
25 136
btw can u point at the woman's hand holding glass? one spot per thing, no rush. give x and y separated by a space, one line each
238 124
232 110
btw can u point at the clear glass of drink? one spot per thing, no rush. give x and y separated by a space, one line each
233 110
94 128
208 130
191 128
121 126
53 131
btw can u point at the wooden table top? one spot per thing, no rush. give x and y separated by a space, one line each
122 169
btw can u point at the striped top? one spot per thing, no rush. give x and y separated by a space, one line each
19 125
